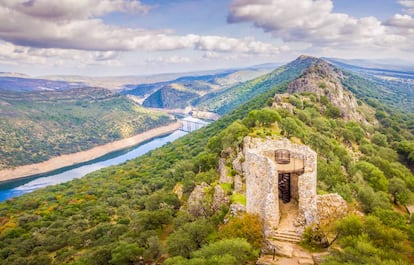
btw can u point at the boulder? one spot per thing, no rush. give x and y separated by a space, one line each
198 203
331 207
219 198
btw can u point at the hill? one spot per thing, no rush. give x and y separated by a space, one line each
391 86
169 97
142 207
195 87
17 83
38 125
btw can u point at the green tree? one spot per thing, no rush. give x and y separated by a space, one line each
237 248
189 237
379 139
373 175
126 253
399 191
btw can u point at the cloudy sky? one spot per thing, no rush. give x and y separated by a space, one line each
124 37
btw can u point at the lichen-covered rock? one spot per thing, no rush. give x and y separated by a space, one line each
198 203
219 198
224 177
238 184
331 207
237 209
237 163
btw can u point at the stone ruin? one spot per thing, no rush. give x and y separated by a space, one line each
279 173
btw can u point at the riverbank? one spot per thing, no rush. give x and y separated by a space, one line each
84 156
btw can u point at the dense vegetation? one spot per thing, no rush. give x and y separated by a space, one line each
226 100
189 90
35 126
117 214
170 98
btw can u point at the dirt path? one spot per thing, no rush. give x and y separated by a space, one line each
289 213
84 156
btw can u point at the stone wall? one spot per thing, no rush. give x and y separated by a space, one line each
261 174
262 189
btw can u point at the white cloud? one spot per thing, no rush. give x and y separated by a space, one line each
16 55
409 6
70 10
168 60
69 24
313 21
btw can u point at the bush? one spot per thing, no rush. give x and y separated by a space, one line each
247 226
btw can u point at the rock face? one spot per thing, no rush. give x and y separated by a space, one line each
197 204
238 184
224 177
262 180
237 209
219 198
323 79
330 208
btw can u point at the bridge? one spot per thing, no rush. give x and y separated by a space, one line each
190 126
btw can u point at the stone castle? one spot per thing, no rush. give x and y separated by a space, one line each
278 173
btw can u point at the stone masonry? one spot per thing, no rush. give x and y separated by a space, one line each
261 172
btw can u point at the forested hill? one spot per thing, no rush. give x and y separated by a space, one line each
38 125
139 208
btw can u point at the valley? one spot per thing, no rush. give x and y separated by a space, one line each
193 200
39 125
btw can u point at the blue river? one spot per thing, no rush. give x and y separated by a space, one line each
18 187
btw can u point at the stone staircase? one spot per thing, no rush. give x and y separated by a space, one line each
287 236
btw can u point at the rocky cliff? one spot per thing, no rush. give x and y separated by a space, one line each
325 80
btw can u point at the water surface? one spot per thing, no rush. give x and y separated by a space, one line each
18 187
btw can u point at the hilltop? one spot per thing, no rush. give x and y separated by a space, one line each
183 203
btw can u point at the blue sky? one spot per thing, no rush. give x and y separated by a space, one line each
131 37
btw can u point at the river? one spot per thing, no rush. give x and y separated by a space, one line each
18 187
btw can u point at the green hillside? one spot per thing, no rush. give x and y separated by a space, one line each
117 214
228 99
35 126
169 97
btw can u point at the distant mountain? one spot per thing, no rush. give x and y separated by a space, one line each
199 85
393 65
390 86
227 99
169 97
26 84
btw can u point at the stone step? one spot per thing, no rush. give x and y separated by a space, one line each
287 236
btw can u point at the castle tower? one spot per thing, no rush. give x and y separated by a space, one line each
280 173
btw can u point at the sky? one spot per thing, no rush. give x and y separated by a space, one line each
142 37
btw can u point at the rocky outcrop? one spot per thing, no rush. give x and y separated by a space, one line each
202 202
237 209
331 207
224 175
219 198
198 203
238 184
324 79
